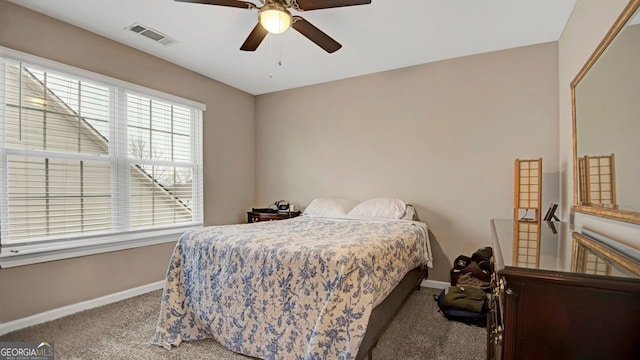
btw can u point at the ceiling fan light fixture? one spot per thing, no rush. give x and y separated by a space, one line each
275 18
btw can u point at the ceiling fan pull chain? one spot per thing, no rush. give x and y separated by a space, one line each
279 51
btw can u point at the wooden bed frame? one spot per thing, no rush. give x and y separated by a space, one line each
383 314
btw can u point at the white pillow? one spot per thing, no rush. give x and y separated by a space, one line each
329 207
389 208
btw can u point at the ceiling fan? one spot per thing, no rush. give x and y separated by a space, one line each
274 17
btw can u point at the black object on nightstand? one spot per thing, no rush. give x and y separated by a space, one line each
257 215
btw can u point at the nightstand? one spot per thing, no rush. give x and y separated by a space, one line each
255 216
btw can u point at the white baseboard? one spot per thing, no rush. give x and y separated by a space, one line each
42 317
53 314
435 284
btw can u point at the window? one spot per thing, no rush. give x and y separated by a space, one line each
91 160
160 134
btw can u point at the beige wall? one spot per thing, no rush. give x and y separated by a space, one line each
442 136
587 26
229 171
31 289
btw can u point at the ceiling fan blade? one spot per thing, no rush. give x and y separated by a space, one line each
326 4
316 35
230 3
254 39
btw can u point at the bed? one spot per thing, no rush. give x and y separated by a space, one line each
311 287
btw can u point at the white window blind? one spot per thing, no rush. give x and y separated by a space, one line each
88 158
159 152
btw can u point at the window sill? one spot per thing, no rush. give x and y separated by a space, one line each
20 255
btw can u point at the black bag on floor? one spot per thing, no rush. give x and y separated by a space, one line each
465 316
479 264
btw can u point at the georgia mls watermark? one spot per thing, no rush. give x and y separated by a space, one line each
26 351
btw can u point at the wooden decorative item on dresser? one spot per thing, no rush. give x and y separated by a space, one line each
257 216
579 300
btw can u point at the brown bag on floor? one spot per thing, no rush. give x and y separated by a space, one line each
469 280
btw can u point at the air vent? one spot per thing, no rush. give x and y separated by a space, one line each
150 33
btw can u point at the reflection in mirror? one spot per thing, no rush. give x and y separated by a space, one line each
606 96
590 256
526 244
598 180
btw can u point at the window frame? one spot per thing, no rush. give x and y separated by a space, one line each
117 238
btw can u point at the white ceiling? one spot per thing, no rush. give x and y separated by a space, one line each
385 35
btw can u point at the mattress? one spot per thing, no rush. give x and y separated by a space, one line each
301 288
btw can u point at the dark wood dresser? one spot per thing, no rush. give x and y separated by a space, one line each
561 295
256 216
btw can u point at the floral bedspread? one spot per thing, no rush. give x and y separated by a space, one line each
300 288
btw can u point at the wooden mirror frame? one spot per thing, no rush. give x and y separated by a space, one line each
622 215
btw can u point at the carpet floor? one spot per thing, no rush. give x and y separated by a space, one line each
123 330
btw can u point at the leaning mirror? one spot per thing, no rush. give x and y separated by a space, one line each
606 124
